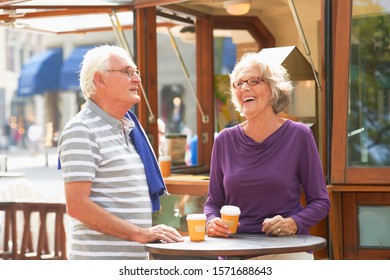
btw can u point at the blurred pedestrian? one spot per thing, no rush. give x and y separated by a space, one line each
34 136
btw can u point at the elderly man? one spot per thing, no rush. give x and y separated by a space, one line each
111 177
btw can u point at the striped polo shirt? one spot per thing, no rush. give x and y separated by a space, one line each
95 147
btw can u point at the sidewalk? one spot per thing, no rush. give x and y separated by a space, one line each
40 171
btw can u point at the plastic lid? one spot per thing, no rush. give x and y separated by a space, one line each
230 210
196 217
164 158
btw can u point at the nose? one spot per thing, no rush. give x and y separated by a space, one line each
246 86
136 78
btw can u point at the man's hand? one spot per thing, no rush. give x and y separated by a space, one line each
161 233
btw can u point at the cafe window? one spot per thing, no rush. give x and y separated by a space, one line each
177 108
374 226
368 127
229 47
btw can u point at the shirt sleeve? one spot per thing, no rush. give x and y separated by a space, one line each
216 193
313 182
79 154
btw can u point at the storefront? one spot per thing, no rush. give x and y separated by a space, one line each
349 109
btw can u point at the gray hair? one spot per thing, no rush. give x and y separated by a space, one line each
275 75
95 60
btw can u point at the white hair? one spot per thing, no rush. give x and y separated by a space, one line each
97 59
275 75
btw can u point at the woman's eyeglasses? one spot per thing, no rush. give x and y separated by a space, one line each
129 72
250 82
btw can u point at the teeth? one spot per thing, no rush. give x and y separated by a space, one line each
246 99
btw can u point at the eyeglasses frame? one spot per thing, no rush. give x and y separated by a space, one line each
258 80
128 71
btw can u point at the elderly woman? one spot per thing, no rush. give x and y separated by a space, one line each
265 163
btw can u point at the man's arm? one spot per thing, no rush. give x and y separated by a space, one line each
81 207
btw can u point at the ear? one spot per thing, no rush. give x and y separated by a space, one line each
98 79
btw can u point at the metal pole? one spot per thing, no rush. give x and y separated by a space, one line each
205 118
303 39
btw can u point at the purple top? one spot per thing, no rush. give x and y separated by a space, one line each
266 179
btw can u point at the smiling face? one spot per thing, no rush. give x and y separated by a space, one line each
271 93
252 95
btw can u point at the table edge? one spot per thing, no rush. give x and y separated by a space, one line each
237 252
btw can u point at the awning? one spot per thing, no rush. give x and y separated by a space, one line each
69 77
41 73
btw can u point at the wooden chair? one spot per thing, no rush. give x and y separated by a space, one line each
42 243
10 248
41 249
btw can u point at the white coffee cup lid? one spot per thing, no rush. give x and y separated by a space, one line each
196 217
164 158
230 210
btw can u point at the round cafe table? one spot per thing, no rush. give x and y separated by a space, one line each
238 246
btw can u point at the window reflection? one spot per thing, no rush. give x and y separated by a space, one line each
229 46
175 102
175 208
369 89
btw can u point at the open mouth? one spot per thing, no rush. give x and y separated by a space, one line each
249 99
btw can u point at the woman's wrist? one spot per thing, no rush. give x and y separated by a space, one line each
292 226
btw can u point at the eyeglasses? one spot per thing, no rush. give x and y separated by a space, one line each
250 82
129 72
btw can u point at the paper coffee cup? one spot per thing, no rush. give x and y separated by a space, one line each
230 215
196 226
165 165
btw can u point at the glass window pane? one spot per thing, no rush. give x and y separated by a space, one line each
369 88
374 226
225 57
177 90
175 208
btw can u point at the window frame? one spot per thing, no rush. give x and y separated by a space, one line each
341 173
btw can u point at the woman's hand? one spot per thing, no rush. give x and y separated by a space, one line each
217 228
279 226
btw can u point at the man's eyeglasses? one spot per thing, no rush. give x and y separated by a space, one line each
250 82
129 72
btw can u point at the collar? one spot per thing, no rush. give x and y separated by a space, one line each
128 124
89 104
